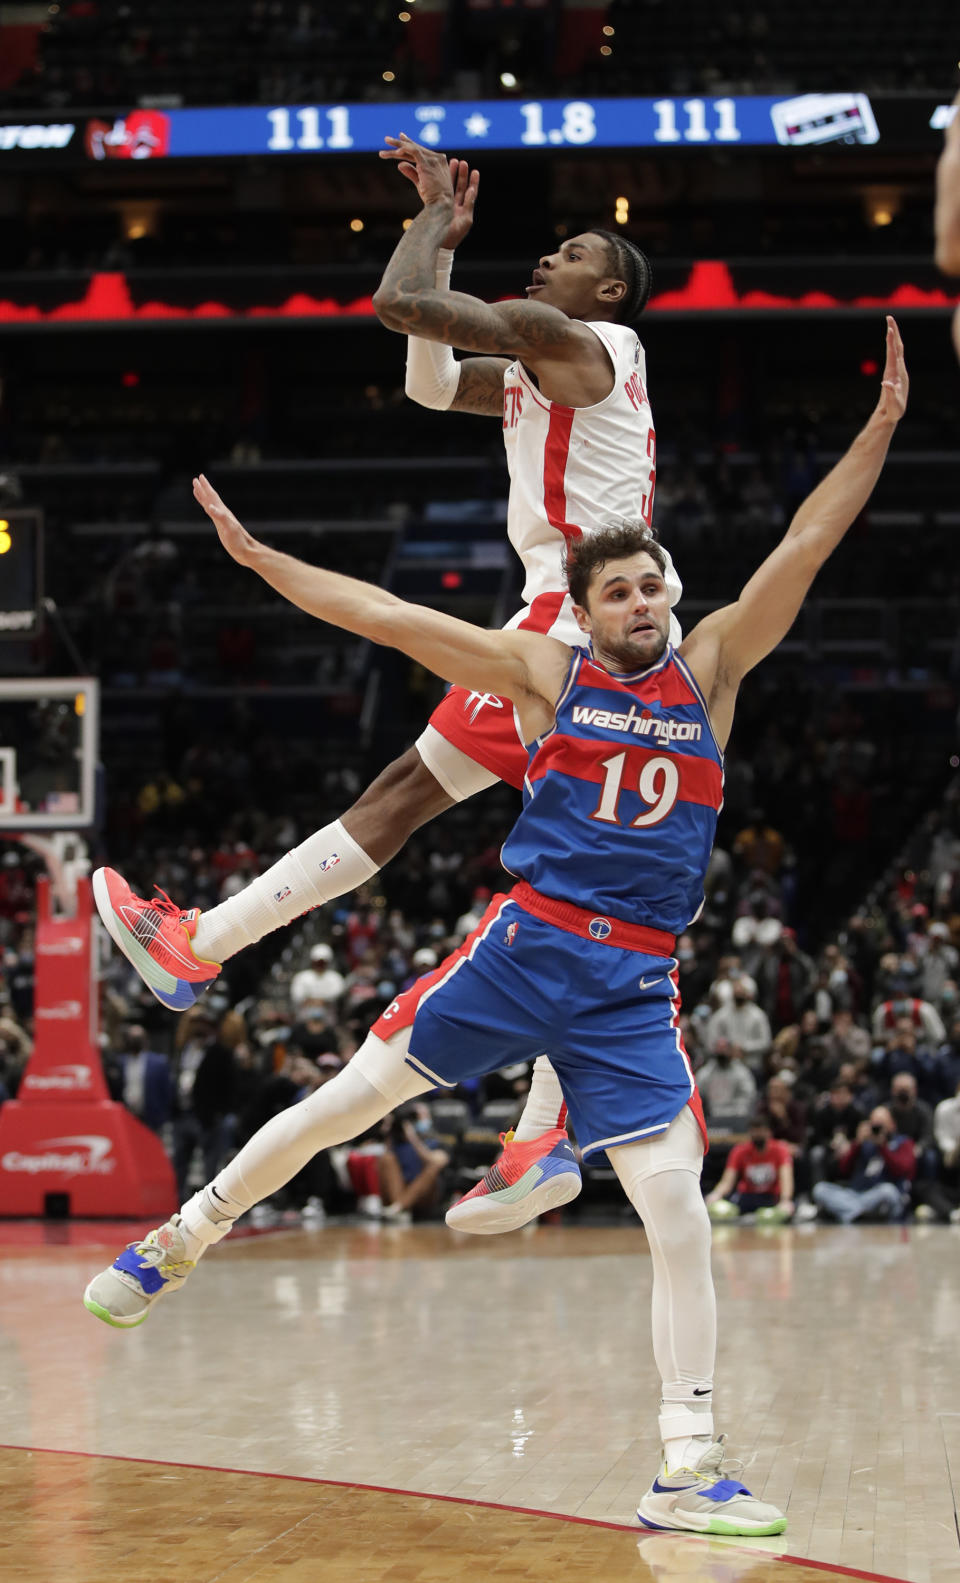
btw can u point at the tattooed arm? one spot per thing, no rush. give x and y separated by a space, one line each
481 386
407 299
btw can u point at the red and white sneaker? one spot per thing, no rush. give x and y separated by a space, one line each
524 1181
156 938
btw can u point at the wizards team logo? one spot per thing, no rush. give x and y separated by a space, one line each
600 928
143 134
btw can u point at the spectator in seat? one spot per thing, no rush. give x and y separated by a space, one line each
146 1083
943 1194
876 1172
900 1052
727 1086
411 1163
742 1023
319 982
834 1125
846 1041
902 1008
938 964
914 1119
945 1070
784 976
785 1115
758 1174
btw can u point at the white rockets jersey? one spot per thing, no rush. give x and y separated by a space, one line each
576 469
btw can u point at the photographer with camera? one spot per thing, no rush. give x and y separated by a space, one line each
877 1168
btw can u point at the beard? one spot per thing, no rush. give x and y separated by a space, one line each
633 654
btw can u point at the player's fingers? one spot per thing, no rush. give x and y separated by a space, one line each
408 170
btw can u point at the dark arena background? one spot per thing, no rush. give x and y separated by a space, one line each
193 221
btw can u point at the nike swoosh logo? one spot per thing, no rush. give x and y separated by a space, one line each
648 983
696 1390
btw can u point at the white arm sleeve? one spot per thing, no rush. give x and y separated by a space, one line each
433 372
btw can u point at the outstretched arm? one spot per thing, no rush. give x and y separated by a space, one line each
730 642
407 299
524 666
946 217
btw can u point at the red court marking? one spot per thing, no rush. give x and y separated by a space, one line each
708 288
452 1500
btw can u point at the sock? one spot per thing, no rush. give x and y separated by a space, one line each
545 1107
327 864
206 1218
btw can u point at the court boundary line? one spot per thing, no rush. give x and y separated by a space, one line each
453 1500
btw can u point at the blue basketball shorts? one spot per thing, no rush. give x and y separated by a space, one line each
521 986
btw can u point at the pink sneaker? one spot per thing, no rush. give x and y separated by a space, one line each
156 938
524 1181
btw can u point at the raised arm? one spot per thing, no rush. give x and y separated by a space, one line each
408 301
434 378
725 645
946 217
526 667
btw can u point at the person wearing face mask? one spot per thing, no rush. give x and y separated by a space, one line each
758 1176
695 973
914 1119
938 963
743 1023
411 1164
875 1174
727 1086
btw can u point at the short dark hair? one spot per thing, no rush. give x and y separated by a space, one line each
588 554
627 263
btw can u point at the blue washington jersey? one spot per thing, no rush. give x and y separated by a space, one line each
621 797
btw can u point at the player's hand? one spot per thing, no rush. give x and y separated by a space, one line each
237 542
896 383
429 171
466 185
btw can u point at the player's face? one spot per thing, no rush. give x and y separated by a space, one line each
628 613
572 278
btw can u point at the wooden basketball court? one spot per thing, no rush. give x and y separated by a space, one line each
391 1405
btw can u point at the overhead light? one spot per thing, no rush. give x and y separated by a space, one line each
407 224
605 49
356 225
403 16
608 32
621 211
560 230
388 76
507 79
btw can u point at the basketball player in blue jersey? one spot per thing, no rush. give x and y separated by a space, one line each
623 786
564 373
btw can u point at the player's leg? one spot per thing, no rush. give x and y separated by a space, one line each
178 952
692 1491
346 1106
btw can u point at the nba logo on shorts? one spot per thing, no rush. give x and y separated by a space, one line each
511 933
599 928
330 862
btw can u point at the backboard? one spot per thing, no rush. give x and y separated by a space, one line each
49 741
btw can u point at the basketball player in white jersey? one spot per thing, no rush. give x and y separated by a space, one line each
946 218
565 373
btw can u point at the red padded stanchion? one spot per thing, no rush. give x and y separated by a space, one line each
62 1134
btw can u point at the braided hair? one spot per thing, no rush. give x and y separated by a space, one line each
627 263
